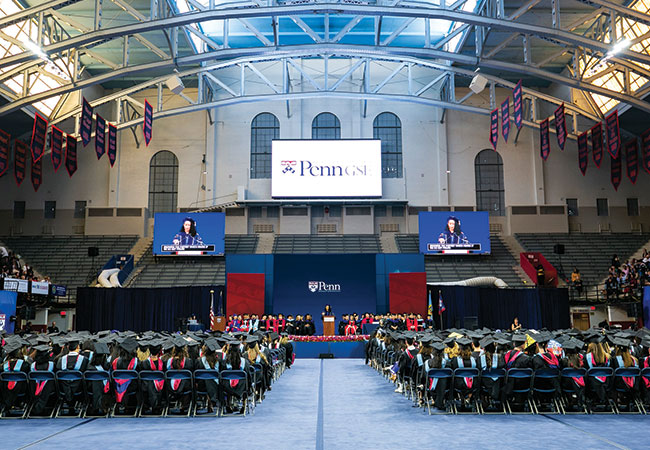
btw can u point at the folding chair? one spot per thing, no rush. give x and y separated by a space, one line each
645 373
621 375
434 377
233 377
156 377
40 378
495 376
258 383
201 378
523 379
76 401
176 393
546 377
90 378
472 374
122 382
603 376
15 381
569 390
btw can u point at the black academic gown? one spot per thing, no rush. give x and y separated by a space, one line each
230 389
42 392
211 387
10 394
308 328
514 360
101 391
71 361
180 391
152 390
492 387
546 361
597 388
465 385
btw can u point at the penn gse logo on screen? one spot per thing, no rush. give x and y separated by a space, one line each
321 286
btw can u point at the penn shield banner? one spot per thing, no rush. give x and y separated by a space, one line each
56 147
20 161
112 143
597 143
613 134
645 150
505 119
71 155
5 138
517 105
494 127
560 126
147 126
100 136
39 133
544 144
583 153
632 160
37 174
85 128
616 172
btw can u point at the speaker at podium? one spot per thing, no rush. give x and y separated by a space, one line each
329 325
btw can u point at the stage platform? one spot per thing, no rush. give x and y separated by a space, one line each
339 349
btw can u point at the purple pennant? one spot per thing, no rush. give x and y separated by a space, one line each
112 143
560 126
613 134
39 133
494 127
56 147
71 155
544 144
505 119
597 143
85 128
100 136
147 125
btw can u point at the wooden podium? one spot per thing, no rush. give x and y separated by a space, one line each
329 325
219 323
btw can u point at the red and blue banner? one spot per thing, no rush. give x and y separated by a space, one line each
505 119
616 172
613 134
632 160
20 161
597 143
494 127
517 105
39 133
100 136
5 139
71 155
441 304
560 126
112 143
147 126
86 125
583 153
645 150
56 147
37 174
544 144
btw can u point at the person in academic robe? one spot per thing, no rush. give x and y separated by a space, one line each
596 356
282 323
209 361
100 400
644 363
262 323
290 325
467 387
125 388
411 322
436 387
489 359
405 359
545 359
628 385
298 326
180 390
255 356
14 362
343 323
351 328
309 329
188 235
429 323
254 322
574 359
233 391
515 358
153 390
73 360
42 391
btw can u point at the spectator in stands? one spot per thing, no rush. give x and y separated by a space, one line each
616 262
53 328
540 275
611 286
576 280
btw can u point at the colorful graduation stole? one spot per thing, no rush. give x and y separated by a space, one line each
121 386
511 356
17 365
159 384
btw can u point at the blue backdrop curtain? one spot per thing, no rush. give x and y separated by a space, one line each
142 309
496 308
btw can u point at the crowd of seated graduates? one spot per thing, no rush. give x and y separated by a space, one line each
134 374
527 371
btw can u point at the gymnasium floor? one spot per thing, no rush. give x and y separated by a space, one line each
332 404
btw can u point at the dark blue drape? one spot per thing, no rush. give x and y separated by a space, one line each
142 309
496 308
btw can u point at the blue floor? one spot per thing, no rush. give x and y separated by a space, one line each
332 404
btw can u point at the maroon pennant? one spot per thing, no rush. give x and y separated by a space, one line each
560 126
5 139
583 153
147 125
39 133
616 172
20 161
112 143
613 134
100 136
544 144
597 143
505 119
86 124
56 147
37 174
494 127
71 155
645 150
632 160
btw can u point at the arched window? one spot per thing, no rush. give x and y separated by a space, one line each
488 169
163 183
264 128
326 126
388 128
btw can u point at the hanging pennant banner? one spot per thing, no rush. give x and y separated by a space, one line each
112 143
597 143
147 126
583 153
544 144
494 128
37 174
20 161
616 172
5 138
613 135
100 136
632 160
505 119
56 147
517 105
71 155
86 125
560 126
39 133
645 150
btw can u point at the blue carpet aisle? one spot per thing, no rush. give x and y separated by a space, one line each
332 404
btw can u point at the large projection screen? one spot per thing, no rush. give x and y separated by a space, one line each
326 168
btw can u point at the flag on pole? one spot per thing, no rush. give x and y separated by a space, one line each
430 308
212 311
441 304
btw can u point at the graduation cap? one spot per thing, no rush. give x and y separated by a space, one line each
168 344
129 344
212 345
252 339
42 348
486 341
463 341
519 339
427 340
646 342
621 342
12 346
274 336
438 346
101 348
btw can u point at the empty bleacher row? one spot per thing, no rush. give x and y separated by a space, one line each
591 253
349 243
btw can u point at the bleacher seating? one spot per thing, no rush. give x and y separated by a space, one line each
591 253
65 258
241 243
305 243
407 243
